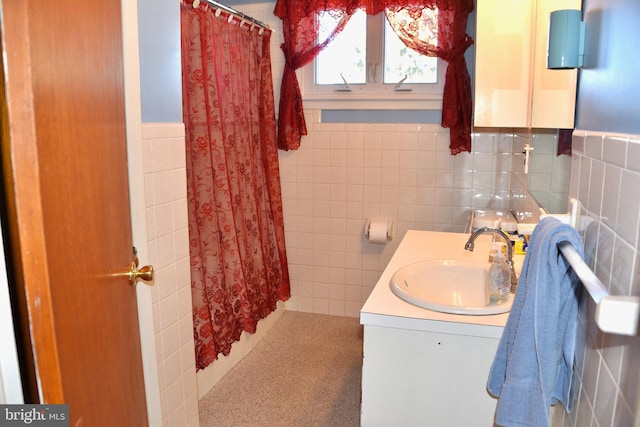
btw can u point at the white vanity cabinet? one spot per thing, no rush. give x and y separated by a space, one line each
513 87
422 367
422 378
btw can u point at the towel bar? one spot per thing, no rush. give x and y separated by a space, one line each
614 314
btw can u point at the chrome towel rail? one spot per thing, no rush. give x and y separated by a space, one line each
614 314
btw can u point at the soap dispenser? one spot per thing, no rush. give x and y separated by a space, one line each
499 279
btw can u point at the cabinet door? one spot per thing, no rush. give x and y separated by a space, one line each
503 63
423 378
554 91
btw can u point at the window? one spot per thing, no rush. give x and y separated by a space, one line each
368 67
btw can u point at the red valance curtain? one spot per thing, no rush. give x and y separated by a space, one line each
236 227
301 46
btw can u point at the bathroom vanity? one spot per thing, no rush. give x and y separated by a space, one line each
423 367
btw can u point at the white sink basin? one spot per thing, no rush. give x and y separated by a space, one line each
449 286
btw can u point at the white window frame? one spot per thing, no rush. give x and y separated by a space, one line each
373 95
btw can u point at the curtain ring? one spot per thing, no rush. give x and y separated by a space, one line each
230 19
196 4
218 12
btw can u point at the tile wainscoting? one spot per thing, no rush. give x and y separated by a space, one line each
345 173
605 177
167 231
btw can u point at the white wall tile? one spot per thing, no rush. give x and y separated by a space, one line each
609 381
162 187
167 222
175 395
163 219
629 206
161 155
633 154
616 149
168 312
610 193
172 363
165 281
593 145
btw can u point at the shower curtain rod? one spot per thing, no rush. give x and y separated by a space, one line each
232 11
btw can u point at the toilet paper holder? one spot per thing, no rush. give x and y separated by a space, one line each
369 222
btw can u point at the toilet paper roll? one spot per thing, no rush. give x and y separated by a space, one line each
379 232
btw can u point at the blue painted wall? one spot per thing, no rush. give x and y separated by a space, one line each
160 70
609 83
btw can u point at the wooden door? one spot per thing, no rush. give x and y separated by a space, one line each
67 198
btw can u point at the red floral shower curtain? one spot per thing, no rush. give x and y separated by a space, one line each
301 46
236 228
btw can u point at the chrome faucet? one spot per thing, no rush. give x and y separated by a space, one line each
489 230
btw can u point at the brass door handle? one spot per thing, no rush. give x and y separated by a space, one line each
144 273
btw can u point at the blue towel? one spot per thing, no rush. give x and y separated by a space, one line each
533 365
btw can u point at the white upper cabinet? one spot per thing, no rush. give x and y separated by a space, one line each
513 87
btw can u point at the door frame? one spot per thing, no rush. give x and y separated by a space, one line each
133 108
10 378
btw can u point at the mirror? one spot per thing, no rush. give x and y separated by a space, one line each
548 174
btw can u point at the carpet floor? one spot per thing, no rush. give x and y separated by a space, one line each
306 372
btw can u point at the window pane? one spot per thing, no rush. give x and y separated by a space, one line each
346 54
400 61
